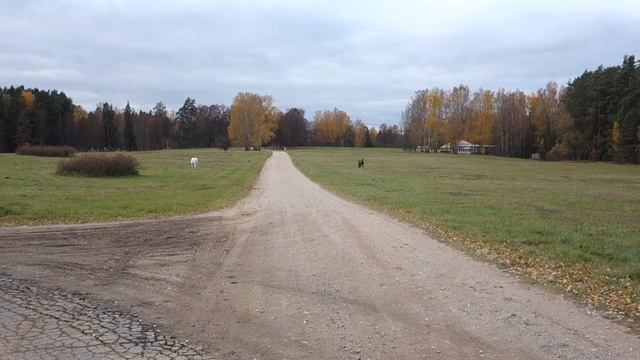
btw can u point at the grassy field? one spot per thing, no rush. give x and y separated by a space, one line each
31 192
572 215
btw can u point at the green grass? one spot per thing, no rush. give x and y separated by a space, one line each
585 214
31 192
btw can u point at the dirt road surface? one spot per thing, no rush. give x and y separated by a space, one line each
295 272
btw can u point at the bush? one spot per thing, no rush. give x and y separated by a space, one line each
99 165
558 152
61 151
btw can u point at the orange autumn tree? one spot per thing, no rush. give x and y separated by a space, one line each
361 134
79 116
28 99
479 128
332 127
254 120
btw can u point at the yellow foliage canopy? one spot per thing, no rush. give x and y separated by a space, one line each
28 100
435 117
331 126
254 120
361 133
373 135
479 129
79 116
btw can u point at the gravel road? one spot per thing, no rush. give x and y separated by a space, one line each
295 272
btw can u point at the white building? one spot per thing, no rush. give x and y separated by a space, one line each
465 147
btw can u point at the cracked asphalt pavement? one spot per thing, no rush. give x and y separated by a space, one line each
51 324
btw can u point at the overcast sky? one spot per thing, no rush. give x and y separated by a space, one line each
365 57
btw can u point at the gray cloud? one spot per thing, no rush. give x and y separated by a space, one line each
366 57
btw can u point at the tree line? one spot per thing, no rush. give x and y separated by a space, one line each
49 117
42 117
595 116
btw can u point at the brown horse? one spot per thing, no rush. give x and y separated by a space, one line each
361 163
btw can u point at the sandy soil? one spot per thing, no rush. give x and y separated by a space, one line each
293 271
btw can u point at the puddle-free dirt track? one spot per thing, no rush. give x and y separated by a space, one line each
290 272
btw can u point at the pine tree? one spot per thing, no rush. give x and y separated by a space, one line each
129 135
629 112
109 127
629 136
187 123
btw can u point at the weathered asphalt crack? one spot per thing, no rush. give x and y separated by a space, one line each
41 323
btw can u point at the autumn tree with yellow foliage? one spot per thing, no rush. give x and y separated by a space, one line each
79 116
424 118
373 135
480 127
457 114
435 117
361 131
332 127
254 120
546 113
27 102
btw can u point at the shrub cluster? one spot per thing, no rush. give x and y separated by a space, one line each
61 151
99 165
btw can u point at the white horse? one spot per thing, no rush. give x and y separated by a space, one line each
194 163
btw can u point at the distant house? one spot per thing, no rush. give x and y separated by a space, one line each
465 147
444 148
